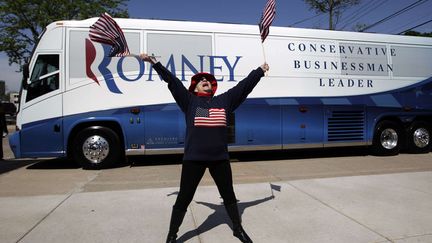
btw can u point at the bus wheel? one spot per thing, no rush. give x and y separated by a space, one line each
419 138
387 138
96 148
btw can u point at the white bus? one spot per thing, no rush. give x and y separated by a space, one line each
324 89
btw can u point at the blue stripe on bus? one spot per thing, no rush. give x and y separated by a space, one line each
162 125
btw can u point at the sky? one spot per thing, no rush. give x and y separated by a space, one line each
289 13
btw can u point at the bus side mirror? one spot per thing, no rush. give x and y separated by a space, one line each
25 76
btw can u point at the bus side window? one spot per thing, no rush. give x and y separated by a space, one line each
45 76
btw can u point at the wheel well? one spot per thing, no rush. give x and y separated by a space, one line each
394 119
426 119
389 118
109 124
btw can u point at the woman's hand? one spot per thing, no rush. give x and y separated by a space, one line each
147 58
265 67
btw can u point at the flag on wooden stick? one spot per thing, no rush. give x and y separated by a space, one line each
267 18
105 30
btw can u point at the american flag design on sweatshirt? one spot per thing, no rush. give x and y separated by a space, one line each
213 117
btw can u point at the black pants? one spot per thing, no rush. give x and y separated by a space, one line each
193 171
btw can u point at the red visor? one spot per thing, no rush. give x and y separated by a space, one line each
197 78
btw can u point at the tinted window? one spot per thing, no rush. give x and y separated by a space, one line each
77 56
45 76
176 46
412 61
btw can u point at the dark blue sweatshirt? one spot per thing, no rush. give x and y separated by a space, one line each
207 117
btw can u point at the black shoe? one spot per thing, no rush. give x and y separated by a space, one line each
171 239
176 220
241 235
238 230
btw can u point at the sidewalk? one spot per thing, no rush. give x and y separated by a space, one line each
377 208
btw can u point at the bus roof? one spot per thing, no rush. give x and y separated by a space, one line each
173 25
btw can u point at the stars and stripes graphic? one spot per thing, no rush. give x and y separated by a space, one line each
267 18
105 30
213 117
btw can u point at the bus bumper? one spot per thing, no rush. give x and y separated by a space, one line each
14 143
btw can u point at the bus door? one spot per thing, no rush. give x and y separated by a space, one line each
42 108
133 127
302 124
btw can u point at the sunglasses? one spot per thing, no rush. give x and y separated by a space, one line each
202 79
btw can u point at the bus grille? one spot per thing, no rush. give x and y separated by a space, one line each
346 126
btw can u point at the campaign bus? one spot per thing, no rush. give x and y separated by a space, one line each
324 89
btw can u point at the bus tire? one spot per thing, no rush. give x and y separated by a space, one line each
387 138
419 137
96 148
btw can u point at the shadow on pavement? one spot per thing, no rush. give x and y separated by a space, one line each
248 156
149 160
299 154
10 165
219 216
51 164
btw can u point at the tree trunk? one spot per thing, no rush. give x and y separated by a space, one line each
331 4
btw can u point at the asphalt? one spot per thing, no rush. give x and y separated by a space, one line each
374 208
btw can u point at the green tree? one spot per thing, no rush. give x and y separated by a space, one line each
22 21
415 33
334 8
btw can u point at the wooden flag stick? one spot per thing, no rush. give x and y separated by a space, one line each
265 59
136 55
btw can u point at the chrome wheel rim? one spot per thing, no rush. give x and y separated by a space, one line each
421 137
389 138
95 149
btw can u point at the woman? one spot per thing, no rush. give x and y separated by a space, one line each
206 138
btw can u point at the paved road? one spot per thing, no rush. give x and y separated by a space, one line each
27 177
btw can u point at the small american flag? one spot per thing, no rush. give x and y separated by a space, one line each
213 117
105 30
267 18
